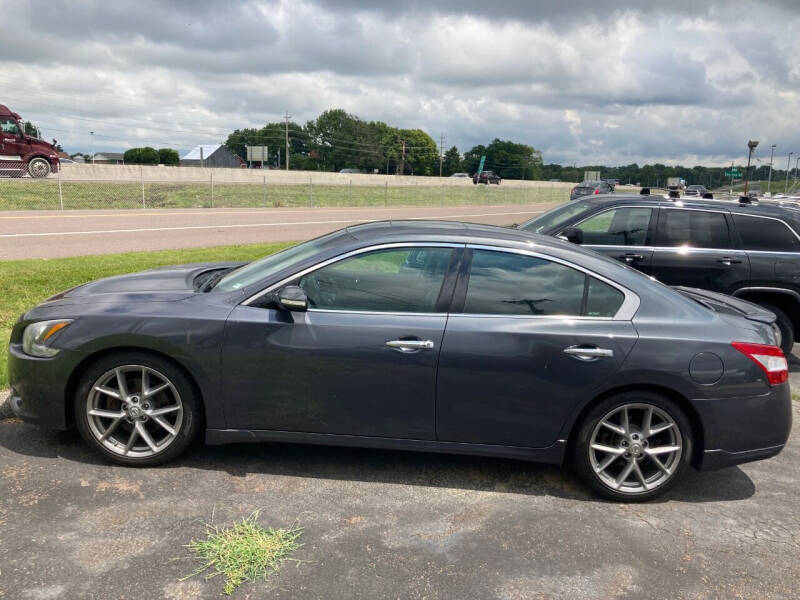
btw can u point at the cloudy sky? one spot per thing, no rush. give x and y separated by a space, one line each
591 81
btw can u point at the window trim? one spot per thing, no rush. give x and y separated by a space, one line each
625 312
752 216
351 254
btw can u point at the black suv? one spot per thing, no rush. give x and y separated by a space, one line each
486 177
748 249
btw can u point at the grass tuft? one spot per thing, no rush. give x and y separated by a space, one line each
244 552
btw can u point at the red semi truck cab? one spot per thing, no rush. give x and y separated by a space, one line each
20 153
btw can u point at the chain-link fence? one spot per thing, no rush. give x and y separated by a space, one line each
150 188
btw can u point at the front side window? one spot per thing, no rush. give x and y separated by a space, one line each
502 283
8 126
693 228
765 234
555 217
391 280
627 226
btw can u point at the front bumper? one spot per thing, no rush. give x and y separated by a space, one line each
39 386
739 430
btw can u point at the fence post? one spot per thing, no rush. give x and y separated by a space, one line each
60 195
386 193
350 193
265 192
141 179
212 190
310 192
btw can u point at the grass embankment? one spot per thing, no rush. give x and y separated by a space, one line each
33 194
25 283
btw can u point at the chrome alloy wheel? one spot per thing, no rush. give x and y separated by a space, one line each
39 167
635 448
134 411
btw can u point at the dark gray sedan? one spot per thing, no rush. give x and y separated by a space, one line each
427 336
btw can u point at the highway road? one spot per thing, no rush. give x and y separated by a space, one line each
52 234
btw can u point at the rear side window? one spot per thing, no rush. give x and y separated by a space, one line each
694 228
765 234
629 226
502 283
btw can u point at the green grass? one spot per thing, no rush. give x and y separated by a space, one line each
36 194
244 552
28 282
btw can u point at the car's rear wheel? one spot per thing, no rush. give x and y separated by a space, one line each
633 446
785 328
39 167
136 409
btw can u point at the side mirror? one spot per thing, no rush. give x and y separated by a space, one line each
573 235
293 298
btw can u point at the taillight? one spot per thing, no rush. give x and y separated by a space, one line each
769 358
596 190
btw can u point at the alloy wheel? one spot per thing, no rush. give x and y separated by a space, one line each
39 168
635 448
134 411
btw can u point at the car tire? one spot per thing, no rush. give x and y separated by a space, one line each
39 168
644 480
162 387
785 326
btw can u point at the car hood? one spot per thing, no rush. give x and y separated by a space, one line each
161 284
722 303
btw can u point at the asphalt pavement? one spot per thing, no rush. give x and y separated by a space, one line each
51 234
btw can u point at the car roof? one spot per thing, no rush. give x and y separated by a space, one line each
389 231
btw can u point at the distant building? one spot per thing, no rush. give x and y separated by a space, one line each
214 155
108 158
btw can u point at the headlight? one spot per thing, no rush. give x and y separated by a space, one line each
35 336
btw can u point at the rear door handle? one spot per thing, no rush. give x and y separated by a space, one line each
728 261
631 257
589 353
410 345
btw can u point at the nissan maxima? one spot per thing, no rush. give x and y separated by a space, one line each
432 336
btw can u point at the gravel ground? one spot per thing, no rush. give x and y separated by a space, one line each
383 524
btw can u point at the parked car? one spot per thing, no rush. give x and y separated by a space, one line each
351 171
21 153
748 250
588 188
432 336
460 175
696 190
486 177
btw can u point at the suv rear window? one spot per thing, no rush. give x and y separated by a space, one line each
693 228
765 234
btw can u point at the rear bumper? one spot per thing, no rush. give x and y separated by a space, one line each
739 430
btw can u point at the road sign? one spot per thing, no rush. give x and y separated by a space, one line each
255 153
733 173
480 166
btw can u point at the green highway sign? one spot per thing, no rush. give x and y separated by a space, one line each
733 173
480 166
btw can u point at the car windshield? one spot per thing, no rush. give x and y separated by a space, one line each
557 216
259 269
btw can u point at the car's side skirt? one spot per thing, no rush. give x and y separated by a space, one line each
551 454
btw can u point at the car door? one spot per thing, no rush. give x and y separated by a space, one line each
624 233
695 248
362 359
529 337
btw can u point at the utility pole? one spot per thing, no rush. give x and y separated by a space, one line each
769 179
751 145
441 153
403 159
286 117
91 135
788 162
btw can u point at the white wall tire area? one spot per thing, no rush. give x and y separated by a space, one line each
633 446
136 409
38 168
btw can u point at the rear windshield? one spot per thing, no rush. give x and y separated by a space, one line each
555 217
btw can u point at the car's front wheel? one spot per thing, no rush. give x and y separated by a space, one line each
633 446
137 409
39 167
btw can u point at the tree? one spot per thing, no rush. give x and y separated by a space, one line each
452 162
169 157
272 135
422 153
141 156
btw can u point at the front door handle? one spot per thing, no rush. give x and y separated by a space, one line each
728 261
410 345
589 353
629 258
